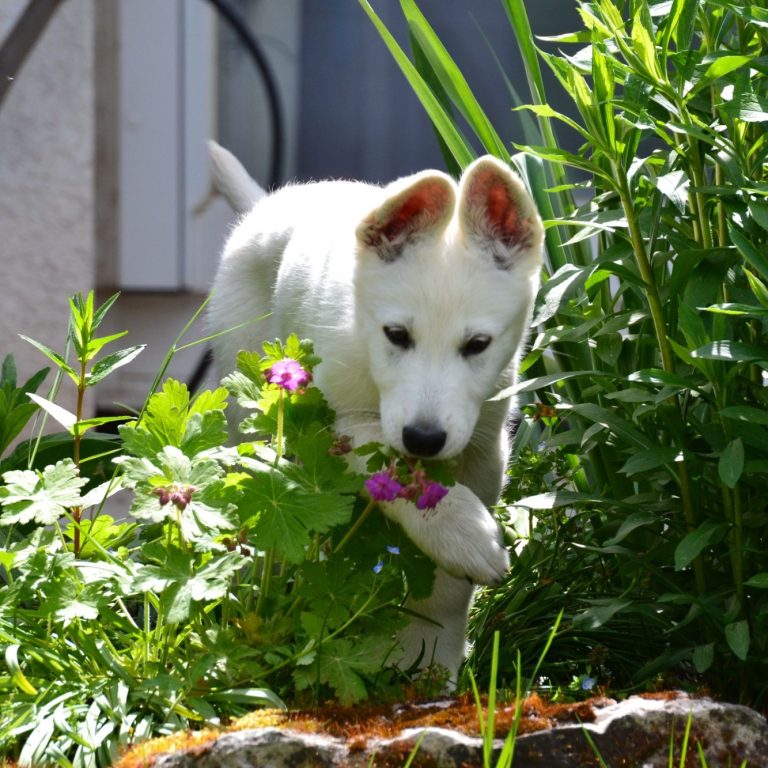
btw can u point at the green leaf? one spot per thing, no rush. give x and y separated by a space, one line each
759 580
563 156
643 42
612 421
41 497
288 515
557 499
631 523
544 382
601 612
17 675
106 365
731 351
59 414
718 65
731 464
442 121
749 251
55 357
453 81
674 186
96 345
737 637
694 542
703 657
758 288
342 664
651 458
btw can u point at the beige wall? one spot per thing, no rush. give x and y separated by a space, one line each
47 182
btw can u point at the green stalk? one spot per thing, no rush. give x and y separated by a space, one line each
280 426
268 566
356 527
659 325
644 265
77 511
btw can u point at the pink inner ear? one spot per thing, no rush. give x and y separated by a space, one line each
403 218
503 215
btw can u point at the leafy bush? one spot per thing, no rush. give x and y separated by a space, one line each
649 358
232 584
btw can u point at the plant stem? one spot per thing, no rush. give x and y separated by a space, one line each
280 424
659 325
353 530
266 579
644 265
77 511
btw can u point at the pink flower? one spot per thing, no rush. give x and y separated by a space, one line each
431 496
288 374
383 487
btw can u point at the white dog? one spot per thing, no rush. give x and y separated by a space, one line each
417 296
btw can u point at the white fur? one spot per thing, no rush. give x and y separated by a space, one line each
337 262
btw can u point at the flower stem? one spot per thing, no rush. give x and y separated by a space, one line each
266 579
280 423
356 527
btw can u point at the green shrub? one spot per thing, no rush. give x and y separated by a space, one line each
649 356
232 584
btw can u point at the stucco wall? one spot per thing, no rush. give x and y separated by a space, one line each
46 183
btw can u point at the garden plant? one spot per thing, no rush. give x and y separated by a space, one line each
642 451
248 572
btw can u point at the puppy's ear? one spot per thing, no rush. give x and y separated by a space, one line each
497 214
416 207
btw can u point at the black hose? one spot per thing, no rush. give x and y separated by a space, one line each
278 143
237 23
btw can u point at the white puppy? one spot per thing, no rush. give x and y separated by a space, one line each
417 297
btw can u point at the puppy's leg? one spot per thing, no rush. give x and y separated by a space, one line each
437 632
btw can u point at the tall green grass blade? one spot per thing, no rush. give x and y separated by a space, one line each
452 80
442 121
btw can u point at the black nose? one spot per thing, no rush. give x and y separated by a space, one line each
423 440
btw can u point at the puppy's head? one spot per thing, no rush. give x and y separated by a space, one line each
445 281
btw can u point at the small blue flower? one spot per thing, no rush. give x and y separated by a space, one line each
587 683
377 568
393 550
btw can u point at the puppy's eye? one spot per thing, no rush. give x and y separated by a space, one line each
398 335
476 345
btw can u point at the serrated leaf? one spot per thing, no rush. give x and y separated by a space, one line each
289 514
341 664
737 637
40 497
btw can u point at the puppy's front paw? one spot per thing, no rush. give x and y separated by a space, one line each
488 564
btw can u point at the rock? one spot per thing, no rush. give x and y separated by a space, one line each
634 733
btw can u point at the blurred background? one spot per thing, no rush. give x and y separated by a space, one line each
105 109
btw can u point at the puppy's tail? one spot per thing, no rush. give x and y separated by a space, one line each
232 180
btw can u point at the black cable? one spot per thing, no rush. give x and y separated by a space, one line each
238 25
278 144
